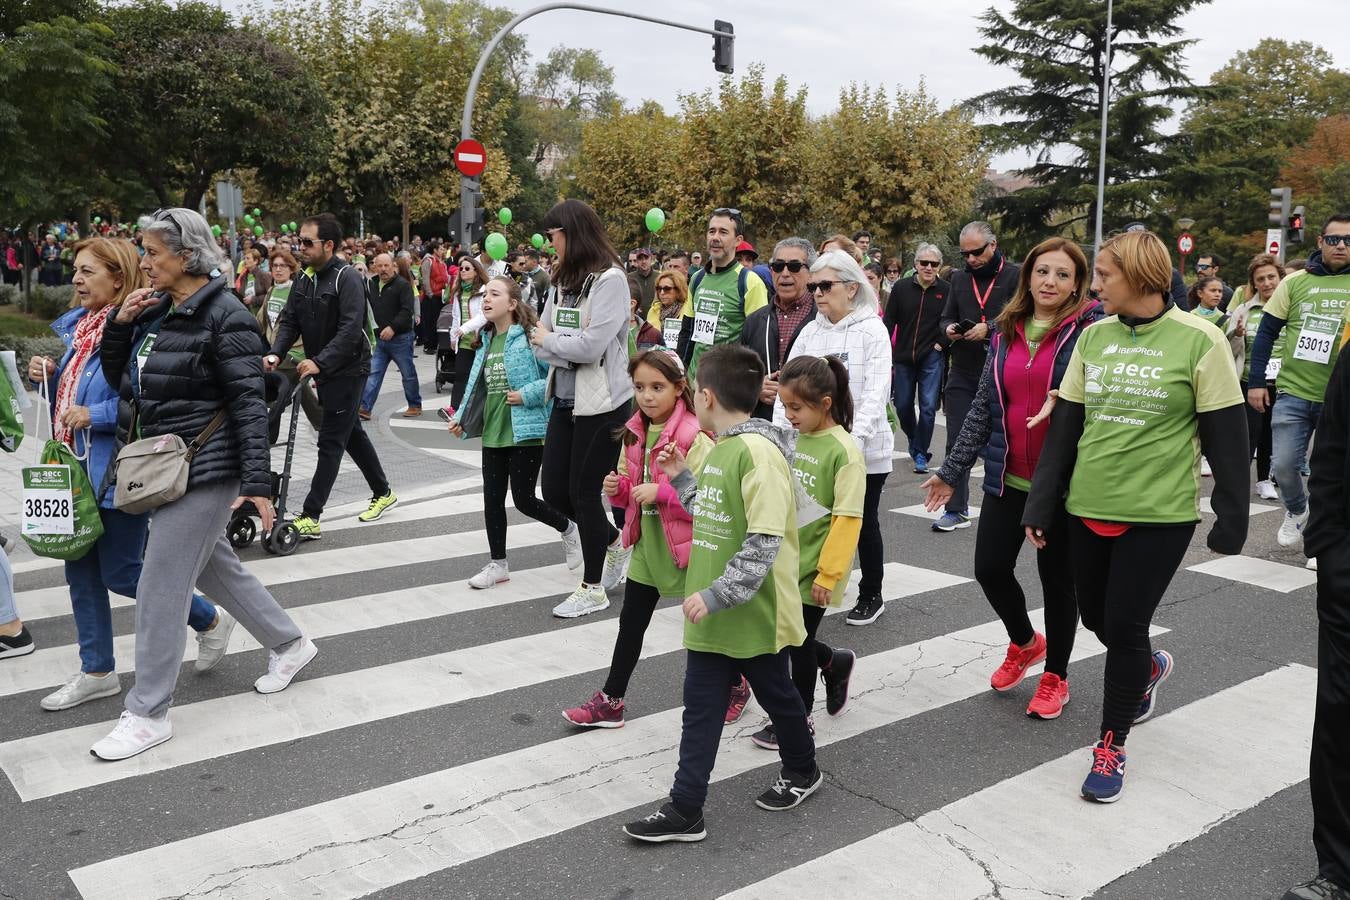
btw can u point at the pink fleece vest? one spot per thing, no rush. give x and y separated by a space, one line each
1026 381
682 428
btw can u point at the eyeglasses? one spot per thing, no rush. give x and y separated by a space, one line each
792 265
969 253
927 263
1336 240
821 286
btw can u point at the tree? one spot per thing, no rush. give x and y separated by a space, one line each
571 86
626 165
1058 49
1318 170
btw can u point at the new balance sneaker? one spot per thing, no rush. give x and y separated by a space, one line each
586 599
493 574
616 564
1265 490
131 735
1106 779
284 666
1015 664
866 610
601 711
740 696
1318 889
1162 668
307 527
920 464
666 824
571 541
790 789
950 521
767 739
378 506
1052 694
20 644
1291 529
81 688
212 643
836 679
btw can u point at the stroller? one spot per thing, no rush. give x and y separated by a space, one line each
283 538
445 350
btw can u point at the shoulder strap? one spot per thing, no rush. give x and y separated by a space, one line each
698 279
200 440
740 286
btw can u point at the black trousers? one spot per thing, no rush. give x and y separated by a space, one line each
426 329
520 467
1329 770
707 688
997 544
579 451
960 394
341 431
1120 582
639 603
871 551
1258 433
463 366
811 657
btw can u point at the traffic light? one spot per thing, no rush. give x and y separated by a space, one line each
723 46
1279 206
1296 225
471 212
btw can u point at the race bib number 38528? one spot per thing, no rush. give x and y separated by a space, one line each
48 507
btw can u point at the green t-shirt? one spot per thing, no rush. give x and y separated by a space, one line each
1139 456
1211 315
1253 325
716 308
745 487
497 430
830 468
465 295
652 563
1313 307
1035 332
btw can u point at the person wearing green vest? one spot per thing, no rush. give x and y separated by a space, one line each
283 268
1309 307
464 302
1264 274
720 296
743 610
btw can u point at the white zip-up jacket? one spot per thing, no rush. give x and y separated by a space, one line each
860 340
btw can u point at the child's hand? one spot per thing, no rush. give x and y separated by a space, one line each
611 484
671 460
694 608
644 493
820 596
455 429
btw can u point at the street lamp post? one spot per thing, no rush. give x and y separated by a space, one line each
1101 149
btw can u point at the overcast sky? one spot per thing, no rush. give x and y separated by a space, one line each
824 46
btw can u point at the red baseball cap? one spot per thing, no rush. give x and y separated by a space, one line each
746 247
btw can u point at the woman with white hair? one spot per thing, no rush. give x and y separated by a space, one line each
186 358
848 325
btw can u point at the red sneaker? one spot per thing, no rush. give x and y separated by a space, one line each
740 695
598 712
1051 695
1014 668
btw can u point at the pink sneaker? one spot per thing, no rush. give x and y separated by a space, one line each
598 712
1051 695
740 695
1014 668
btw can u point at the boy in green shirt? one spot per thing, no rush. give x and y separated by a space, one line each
743 611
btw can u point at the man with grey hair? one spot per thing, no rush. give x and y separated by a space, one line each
772 330
978 294
913 312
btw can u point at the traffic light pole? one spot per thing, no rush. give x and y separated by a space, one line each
723 39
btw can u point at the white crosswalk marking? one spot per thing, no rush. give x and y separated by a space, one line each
1261 572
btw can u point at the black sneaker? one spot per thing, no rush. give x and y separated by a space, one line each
765 738
790 790
20 644
7 543
666 824
866 610
836 679
1318 889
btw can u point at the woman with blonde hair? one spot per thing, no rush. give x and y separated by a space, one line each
1264 274
672 290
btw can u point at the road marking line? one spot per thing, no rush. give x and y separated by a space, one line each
1263 573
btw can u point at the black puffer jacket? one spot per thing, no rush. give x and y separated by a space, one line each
207 354
328 309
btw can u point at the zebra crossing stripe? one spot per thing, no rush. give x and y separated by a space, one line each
1264 573
979 846
355 845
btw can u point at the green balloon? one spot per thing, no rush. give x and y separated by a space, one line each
504 216
495 245
256 211
97 220
536 241
656 219
248 220
215 230
551 250
258 230
293 228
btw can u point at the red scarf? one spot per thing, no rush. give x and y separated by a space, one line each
88 337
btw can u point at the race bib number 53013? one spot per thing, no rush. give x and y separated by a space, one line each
1316 339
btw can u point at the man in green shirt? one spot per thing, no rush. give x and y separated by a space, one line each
721 295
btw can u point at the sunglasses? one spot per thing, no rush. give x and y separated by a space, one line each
822 286
969 253
892 271
310 242
727 211
666 289
927 263
792 265
1201 267
1336 240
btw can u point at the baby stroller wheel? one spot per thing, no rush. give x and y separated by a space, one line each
241 532
284 539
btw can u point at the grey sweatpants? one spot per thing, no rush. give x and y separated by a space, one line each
187 547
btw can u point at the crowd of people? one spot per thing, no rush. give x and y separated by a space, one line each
706 427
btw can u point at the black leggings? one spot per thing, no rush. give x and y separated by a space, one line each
639 602
519 466
463 368
1258 433
581 451
810 657
870 549
997 544
1120 582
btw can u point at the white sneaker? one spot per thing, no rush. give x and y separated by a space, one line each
1291 530
211 644
493 574
131 735
571 539
81 688
1266 490
282 667
584 601
1205 470
616 565
1311 563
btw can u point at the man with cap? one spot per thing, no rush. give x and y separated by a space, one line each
644 276
748 257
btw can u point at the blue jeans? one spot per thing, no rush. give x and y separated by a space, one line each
925 378
398 349
114 564
7 611
1291 425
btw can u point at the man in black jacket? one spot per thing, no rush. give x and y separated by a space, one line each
327 308
977 296
913 316
771 330
391 305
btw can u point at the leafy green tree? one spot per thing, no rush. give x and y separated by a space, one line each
626 165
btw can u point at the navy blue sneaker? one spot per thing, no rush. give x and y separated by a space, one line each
1107 778
920 464
950 521
1162 667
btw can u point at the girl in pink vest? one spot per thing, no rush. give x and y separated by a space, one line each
657 529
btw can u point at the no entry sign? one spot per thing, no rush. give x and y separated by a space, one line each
1185 244
470 158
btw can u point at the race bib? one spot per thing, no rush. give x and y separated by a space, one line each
705 322
1273 369
1317 338
566 320
274 308
670 331
48 507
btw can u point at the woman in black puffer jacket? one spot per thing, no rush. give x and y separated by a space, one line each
179 353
